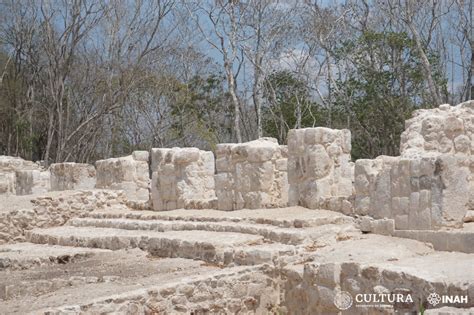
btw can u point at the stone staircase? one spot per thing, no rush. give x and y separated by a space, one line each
224 241
270 261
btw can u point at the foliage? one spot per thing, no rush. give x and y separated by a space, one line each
381 89
284 93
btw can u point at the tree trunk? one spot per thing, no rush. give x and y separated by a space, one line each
256 95
436 98
235 100
50 138
471 77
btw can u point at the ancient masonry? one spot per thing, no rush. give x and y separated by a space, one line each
182 178
130 174
302 223
319 168
251 175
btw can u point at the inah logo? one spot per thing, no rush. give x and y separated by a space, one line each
343 300
434 298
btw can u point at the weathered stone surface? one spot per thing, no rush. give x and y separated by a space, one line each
182 178
247 291
130 174
419 203
30 182
251 175
30 178
447 129
70 176
7 183
469 216
431 185
52 209
11 164
299 269
320 173
420 193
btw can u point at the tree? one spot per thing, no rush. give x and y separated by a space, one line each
384 85
224 18
286 96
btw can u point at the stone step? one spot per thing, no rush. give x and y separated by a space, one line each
246 290
21 256
455 240
212 247
269 232
376 264
103 275
290 217
304 288
447 274
459 239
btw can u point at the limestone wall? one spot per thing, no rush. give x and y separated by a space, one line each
53 209
319 169
70 176
32 182
444 130
7 183
431 185
251 175
182 178
13 183
419 193
130 174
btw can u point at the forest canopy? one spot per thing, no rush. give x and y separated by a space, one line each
82 80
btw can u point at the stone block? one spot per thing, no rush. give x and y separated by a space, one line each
7 183
143 156
328 275
184 178
130 174
319 167
254 175
72 176
32 182
401 222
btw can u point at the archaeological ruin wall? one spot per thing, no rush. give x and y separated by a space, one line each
72 176
251 175
182 178
431 184
443 130
32 182
22 177
130 174
320 171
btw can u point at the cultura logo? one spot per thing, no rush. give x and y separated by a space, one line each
343 300
434 299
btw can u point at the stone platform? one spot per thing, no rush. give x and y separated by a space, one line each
206 261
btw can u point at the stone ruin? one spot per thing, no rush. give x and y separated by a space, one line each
302 223
21 177
444 130
72 176
319 168
251 175
431 184
182 178
130 174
